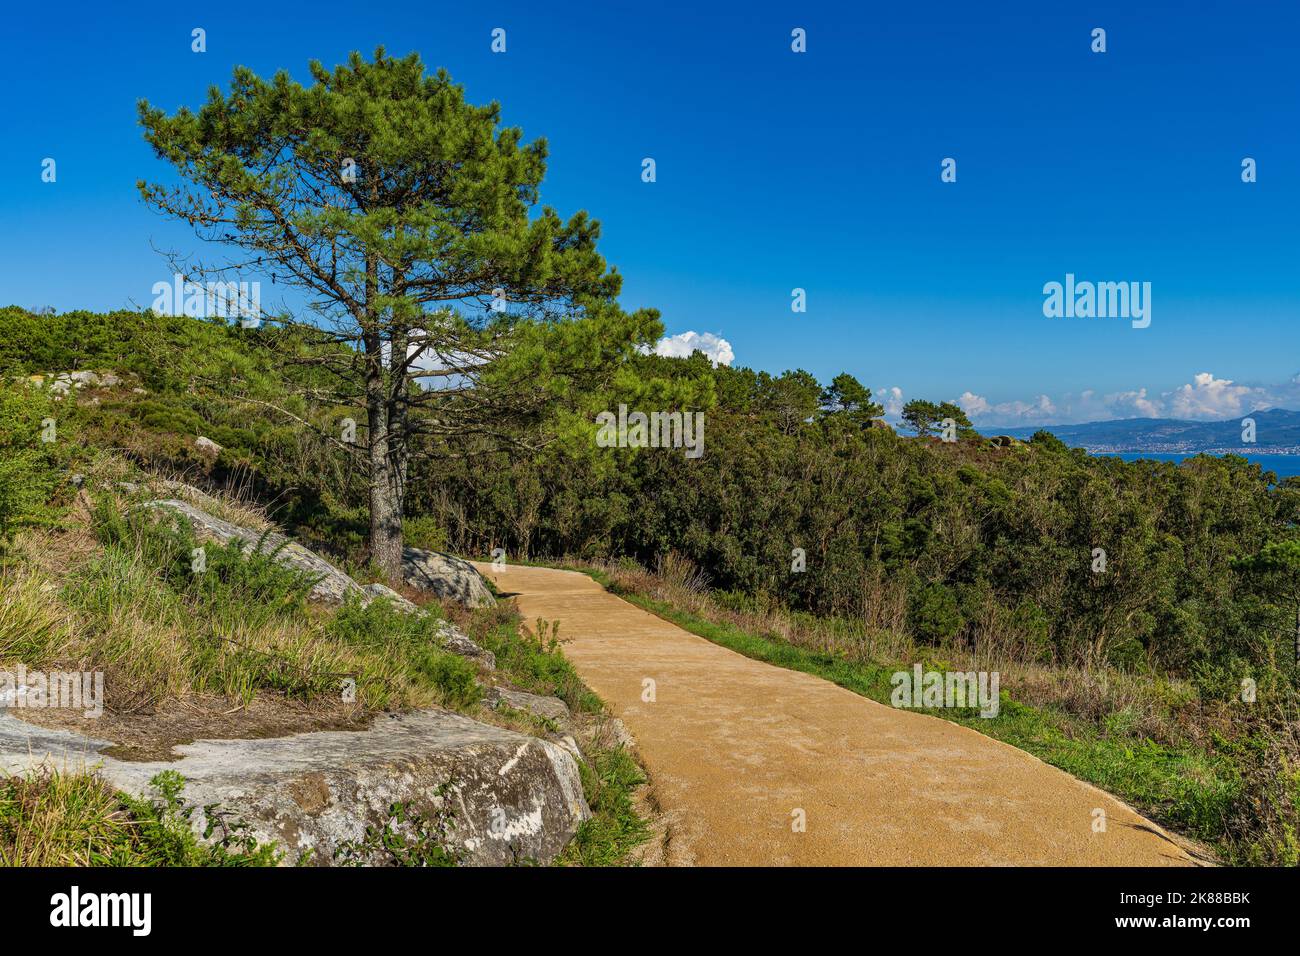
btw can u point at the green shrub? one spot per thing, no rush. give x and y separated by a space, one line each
29 466
455 677
379 624
1032 626
423 531
168 417
933 614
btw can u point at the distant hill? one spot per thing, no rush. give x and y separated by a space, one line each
1276 430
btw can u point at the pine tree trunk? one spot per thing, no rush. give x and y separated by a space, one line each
385 495
386 471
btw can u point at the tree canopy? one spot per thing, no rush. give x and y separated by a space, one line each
407 220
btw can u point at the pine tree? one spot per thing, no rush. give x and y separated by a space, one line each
407 220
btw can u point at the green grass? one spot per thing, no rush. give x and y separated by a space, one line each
54 819
410 643
609 778
533 663
1188 790
241 626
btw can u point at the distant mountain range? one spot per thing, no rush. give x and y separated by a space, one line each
1277 431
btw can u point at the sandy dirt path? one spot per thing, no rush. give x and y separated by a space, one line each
737 748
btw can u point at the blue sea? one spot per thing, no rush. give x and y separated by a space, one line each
1284 466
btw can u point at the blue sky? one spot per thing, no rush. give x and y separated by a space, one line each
778 170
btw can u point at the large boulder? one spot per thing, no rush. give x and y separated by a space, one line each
511 798
446 576
332 586
169 488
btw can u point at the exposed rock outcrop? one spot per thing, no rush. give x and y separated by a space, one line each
332 585
458 642
375 592
61 383
512 797
440 574
207 446
446 576
90 379
548 708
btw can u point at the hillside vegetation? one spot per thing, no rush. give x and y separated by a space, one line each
89 580
963 554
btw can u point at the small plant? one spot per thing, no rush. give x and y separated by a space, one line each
407 838
165 826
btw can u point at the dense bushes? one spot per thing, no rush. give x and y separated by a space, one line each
1065 557
185 377
28 464
963 542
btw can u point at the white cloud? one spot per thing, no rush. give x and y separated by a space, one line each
684 343
1132 404
891 399
1204 398
974 405
977 407
1210 397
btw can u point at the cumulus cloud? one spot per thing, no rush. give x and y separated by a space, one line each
1210 397
684 343
891 399
1134 403
979 408
1204 398
974 405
